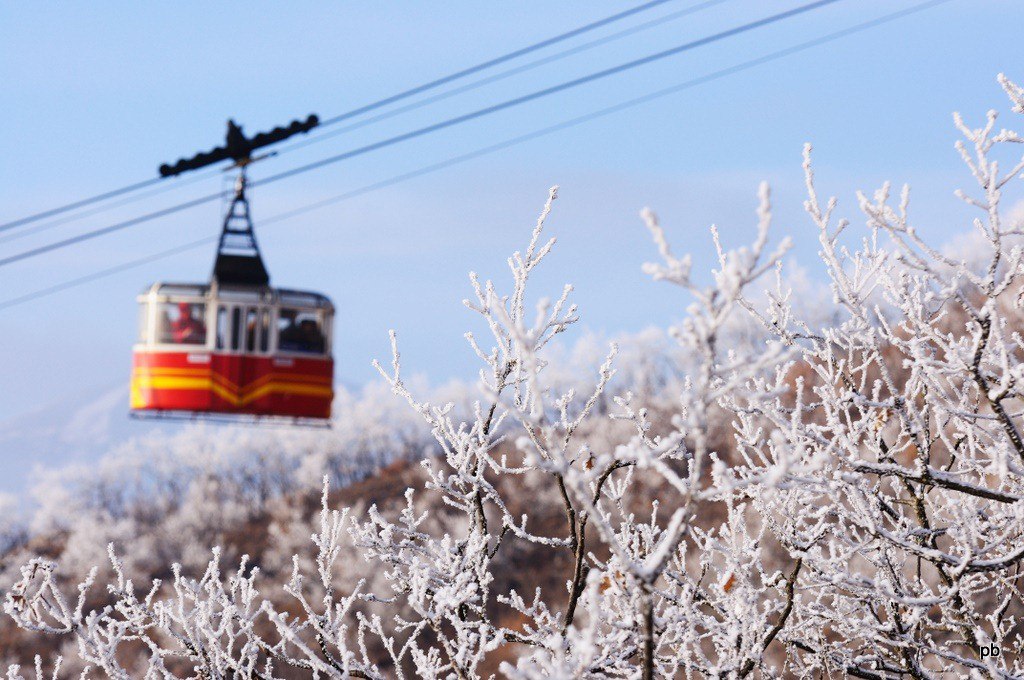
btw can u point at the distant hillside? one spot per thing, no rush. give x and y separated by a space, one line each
76 428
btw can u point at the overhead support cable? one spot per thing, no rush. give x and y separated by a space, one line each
362 109
60 221
79 204
554 89
492 62
280 217
435 127
502 75
324 136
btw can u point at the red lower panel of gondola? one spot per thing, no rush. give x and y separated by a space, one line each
209 382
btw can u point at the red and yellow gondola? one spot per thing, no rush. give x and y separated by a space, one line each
262 352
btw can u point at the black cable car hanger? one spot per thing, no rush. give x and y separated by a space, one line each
238 254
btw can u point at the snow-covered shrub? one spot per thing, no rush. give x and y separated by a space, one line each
822 497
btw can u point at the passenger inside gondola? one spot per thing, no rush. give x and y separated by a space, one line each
187 329
299 333
289 339
312 338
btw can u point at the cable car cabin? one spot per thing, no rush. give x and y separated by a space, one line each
255 351
234 346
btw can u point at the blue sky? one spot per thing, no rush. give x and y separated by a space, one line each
96 96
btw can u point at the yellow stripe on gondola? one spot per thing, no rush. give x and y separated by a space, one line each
171 370
289 388
141 381
152 372
147 373
206 384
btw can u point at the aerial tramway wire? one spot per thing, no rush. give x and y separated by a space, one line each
79 204
365 108
318 138
491 62
280 217
538 94
420 132
46 226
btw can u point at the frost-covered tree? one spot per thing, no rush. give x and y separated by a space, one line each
829 496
